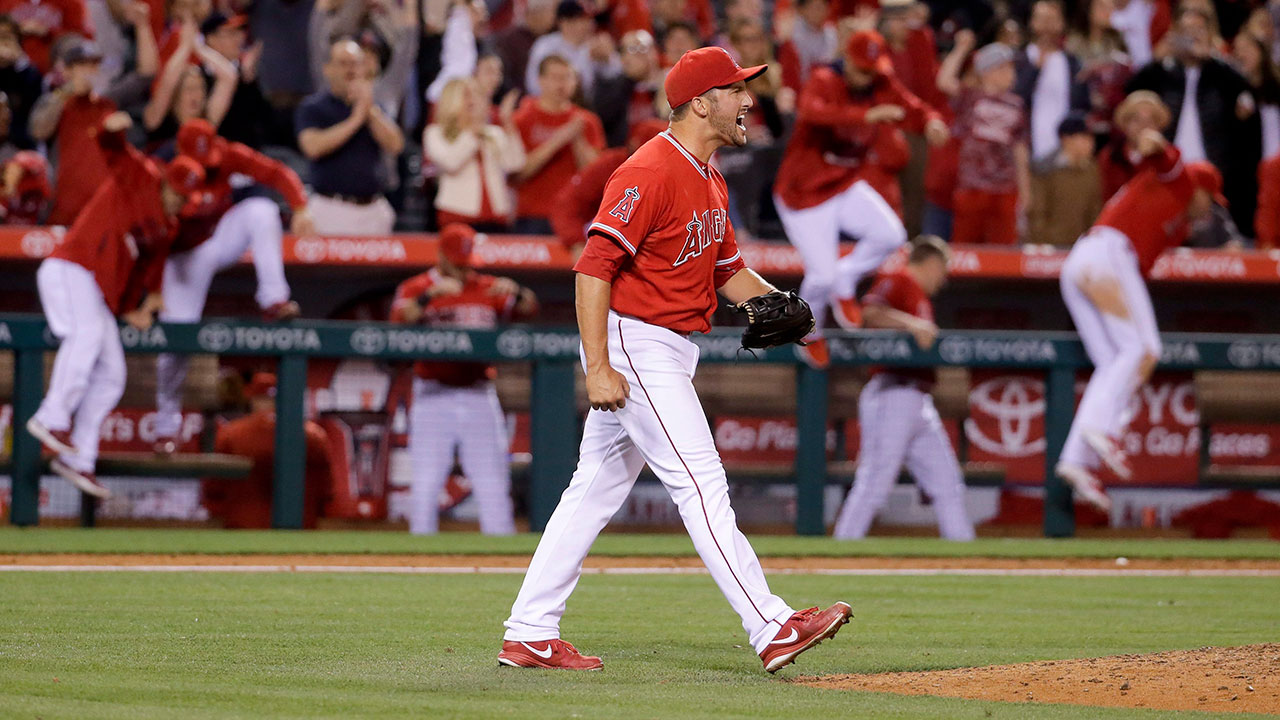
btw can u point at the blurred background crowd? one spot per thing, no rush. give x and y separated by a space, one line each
510 115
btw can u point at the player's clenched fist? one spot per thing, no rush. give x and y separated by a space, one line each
607 389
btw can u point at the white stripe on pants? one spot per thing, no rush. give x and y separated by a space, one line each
1116 346
251 224
900 425
88 370
859 212
662 425
470 419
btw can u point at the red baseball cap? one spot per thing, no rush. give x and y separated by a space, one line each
698 71
1206 177
868 52
199 140
35 173
184 174
456 243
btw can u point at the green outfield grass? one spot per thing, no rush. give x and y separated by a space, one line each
164 645
106 540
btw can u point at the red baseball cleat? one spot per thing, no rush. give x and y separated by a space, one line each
1110 453
814 353
86 481
281 311
804 630
57 441
554 654
848 313
1085 484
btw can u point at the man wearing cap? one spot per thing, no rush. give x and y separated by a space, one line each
1104 289
249 115
109 264
213 233
659 249
1066 192
68 116
246 503
848 121
572 40
455 406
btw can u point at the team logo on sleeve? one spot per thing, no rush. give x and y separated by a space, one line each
626 205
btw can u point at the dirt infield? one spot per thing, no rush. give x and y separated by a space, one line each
1235 679
793 564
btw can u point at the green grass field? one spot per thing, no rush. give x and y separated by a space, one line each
205 645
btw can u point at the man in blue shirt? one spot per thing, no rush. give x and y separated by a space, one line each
344 135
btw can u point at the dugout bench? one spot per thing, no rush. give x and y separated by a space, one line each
553 353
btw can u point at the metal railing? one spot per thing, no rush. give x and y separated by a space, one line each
553 414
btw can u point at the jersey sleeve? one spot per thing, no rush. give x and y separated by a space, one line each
408 293
634 199
729 261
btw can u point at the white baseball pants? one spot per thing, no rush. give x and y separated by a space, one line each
859 212
470 419
662 425
251 224
1117 346
900 425
88 370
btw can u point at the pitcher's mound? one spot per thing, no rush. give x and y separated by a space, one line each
1237 679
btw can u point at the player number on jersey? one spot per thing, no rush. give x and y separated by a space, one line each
626 205
703 231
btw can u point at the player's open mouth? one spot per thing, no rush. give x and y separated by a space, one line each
742 122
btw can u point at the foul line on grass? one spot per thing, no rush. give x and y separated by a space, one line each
480 570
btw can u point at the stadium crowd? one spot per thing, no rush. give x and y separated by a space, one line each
510 116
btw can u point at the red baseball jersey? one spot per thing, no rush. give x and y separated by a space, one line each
578 201
82 169
1151 208
988 127
900 291
833 144
535 196
122 235
662 237
198 219
247 503
477 307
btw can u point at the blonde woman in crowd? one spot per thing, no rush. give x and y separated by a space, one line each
472 158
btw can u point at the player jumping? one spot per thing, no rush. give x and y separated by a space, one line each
110 258
845 117
900 425
1103 286
213 234
659 249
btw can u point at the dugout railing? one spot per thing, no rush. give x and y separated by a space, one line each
553 353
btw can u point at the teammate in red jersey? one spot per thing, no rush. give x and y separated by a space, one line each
109 259
455 405
213 234
1103 286
847 135
659 249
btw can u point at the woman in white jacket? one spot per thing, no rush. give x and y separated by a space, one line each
472 159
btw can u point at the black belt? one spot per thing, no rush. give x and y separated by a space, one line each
353 199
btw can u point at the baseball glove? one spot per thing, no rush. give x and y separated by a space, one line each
775 318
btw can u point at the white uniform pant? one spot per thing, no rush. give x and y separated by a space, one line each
470 419
251 224
338 217
1117 346
88 370
662 425
900 426
859 212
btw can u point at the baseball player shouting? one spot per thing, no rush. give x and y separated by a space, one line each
454 403
900 425
659 248
848 117
1103 286
109 258
213 233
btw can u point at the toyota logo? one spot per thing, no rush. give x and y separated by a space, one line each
515 343
368 341
215 338
310 250
1244 354
956 351
1013 402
